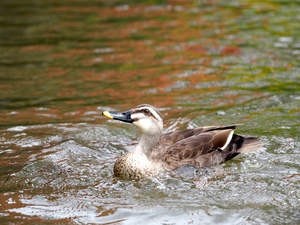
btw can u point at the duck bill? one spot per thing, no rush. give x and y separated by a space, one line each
122 116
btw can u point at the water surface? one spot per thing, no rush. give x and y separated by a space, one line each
200 62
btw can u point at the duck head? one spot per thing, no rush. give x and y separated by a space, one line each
145 117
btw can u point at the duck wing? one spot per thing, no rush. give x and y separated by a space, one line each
200 147
175 136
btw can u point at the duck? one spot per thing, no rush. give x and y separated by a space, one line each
158 152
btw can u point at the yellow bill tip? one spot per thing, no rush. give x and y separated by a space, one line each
107 114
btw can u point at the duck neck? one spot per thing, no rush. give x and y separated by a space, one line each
146 144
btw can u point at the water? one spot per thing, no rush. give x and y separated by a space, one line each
201 62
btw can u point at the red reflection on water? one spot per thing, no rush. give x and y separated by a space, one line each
35 48
55 72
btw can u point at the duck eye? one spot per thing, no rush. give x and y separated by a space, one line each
146 111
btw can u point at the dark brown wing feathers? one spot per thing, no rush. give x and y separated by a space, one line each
201 147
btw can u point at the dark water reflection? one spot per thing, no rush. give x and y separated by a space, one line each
201 62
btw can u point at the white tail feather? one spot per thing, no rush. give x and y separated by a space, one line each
251 144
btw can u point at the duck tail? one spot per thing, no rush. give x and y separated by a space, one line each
250 144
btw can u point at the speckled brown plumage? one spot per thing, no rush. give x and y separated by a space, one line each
200 147
157 152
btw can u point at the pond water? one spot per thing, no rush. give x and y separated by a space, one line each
200 62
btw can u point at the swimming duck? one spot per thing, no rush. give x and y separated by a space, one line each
157 152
